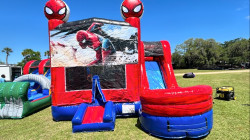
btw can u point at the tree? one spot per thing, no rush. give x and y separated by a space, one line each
178 60
7 50
47 53
29 55
197 52
238 51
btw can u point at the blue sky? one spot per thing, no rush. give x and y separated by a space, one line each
23 24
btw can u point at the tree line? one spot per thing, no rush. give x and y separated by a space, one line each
198 53
28 55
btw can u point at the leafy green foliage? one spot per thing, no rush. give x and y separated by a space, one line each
198 52
238 50
29 55
47 54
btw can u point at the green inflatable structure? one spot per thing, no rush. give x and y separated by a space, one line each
15 103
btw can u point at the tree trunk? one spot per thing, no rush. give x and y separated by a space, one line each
7 60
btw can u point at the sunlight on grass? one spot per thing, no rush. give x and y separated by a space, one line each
180 71
231 118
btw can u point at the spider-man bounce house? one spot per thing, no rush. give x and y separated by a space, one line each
100 69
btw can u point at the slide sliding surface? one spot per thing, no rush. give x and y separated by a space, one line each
97 116
94 114
90 118
154 75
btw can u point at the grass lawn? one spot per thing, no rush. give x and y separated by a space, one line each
231 118
182 71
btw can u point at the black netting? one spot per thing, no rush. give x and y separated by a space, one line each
35 64
47 64
80 78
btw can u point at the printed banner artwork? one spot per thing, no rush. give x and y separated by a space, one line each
93 42
153 49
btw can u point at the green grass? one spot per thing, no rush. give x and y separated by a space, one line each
181 71
231 118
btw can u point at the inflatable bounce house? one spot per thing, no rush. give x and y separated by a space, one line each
28 93
101 69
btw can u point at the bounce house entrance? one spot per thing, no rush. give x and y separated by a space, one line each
97 116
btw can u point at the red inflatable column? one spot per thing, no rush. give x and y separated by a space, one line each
170 77
132 11
57 12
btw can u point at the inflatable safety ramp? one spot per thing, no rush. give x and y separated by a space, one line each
169 111
98 116
39 86
36 67
14 101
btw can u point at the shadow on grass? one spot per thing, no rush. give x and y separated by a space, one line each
138 125
218 98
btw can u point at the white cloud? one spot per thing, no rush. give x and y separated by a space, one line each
244 6
247 17
239 9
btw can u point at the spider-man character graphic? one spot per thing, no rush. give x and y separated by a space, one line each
102 46
132 8
57 9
